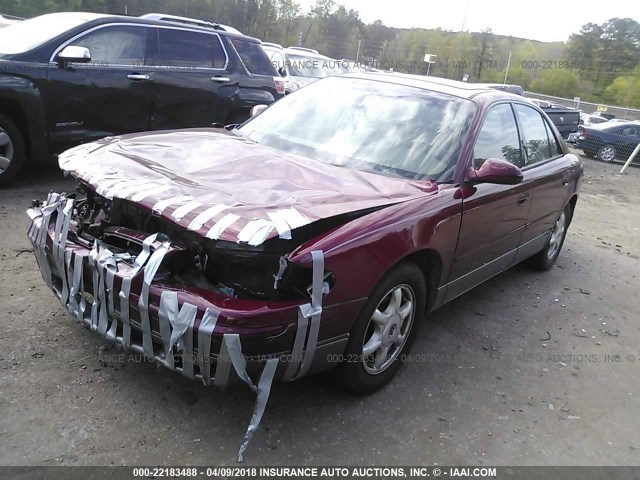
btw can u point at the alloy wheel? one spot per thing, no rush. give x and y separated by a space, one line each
388 329
6 151
607 154
557 235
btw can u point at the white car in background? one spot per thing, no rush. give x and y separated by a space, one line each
278 57
307 65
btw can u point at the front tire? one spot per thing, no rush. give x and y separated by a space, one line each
546 258
12 151
384 330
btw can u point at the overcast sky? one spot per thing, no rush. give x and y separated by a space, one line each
546 20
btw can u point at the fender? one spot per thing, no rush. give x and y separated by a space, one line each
20 99
360 252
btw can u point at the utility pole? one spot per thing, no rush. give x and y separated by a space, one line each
506 74
359 45
464 17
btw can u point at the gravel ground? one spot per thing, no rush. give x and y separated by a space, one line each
529 369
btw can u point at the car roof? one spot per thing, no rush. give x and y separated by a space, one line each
437 84
99 18
275 46
611 125
305 53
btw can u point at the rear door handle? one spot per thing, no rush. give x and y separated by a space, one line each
138 76
220 79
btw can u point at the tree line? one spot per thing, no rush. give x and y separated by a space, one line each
601 63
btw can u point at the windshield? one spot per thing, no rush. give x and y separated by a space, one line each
314 67
23 36
369 125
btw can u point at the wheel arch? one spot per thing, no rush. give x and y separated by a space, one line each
429 262
14 112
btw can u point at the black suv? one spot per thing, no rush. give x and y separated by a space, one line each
69 78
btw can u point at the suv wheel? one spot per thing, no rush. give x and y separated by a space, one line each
12 151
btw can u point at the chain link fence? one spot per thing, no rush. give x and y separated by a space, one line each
588 107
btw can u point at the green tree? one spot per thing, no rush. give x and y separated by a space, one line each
558 82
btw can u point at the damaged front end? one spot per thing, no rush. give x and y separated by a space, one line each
200 306
233 269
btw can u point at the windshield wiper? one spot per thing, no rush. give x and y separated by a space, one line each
236 131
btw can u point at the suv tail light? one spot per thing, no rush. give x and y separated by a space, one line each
279 85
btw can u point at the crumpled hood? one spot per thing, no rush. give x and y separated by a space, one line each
222 186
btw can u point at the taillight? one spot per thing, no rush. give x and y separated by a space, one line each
279 85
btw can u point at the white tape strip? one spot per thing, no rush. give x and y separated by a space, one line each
103 187
181 212
160 206
203 217
142 194
284 231
226 221
255 232
294 218
126 188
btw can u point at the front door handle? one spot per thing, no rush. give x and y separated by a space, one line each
220 79
138 76
523 200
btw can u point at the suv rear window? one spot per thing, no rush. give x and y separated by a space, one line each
253 57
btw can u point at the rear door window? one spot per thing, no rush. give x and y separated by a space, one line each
253 56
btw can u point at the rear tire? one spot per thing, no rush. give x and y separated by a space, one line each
607 153
384 331
546 258
12 151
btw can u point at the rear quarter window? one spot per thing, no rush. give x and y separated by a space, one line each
253 57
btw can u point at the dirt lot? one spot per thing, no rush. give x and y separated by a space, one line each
529 369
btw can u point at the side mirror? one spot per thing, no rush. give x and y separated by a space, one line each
282 72
257 110
494 170
74 54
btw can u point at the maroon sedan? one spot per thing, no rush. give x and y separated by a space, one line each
316 235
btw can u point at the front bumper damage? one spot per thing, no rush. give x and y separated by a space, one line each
115 295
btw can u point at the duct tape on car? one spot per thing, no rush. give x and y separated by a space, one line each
308 315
